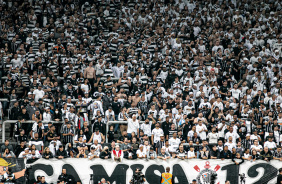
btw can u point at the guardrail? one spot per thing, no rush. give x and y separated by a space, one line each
15 121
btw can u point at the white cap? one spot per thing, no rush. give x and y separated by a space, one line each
268 62
29 93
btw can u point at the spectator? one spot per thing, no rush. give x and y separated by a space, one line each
8 153
256 146
81 154
174 143
204 153
71 150
141 152
47 154
15 111
247 155
133 126
214 153
163 155
225 153
37 142
157 133
68 133
266 154
181 153
255 155
131 154
97 136
61 153
80 133
238 159
117 154
6 145
278 153
230 144
20 148
151 154
22 137
24 154
270 144
105 154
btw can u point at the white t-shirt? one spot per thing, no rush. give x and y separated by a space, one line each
203 134
213 137
253 137
258 147
110 114
234 136
221 133
157 133
141 153
270 145
235 93
191 154
38 94
174 143
85 87
230 145
146 129
132 126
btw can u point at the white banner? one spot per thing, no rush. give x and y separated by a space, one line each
184 170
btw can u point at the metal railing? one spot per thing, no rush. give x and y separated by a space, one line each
15 121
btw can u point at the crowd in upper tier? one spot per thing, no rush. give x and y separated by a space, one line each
186 78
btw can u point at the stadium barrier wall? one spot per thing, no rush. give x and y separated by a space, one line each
185 171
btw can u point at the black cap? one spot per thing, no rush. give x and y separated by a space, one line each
151 148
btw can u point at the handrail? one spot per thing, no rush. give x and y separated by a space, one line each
15 121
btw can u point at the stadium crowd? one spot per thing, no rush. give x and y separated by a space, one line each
187 79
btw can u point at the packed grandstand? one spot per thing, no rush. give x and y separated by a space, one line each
138 79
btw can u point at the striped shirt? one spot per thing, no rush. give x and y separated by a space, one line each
67 138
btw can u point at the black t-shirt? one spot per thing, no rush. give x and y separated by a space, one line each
165 127
51 135
116 107
22 138
223 89
216 118
190 116
111 136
